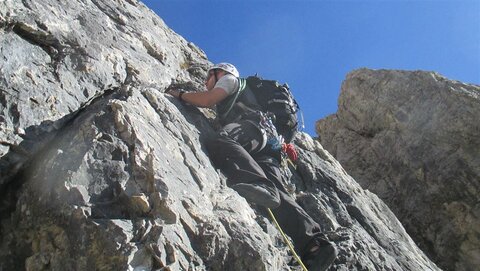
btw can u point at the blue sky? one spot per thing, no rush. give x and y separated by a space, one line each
312 45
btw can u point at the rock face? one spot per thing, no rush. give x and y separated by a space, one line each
100 170
413 138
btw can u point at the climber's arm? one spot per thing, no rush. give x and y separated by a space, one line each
202 99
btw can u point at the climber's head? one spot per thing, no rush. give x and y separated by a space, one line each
226 67
217 71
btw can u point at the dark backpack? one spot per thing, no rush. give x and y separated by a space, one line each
277 99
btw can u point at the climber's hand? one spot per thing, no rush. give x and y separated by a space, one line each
177 93
289 149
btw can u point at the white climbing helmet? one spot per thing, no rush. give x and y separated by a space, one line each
226 67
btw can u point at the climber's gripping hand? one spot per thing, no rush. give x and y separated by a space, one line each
289 149
177 93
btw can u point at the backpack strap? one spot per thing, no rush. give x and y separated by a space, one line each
242 83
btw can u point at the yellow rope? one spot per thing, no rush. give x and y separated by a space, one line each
287 241
291 163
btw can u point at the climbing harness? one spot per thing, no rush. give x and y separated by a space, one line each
287 241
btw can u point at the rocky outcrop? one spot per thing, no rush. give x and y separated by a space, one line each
413 138
100 170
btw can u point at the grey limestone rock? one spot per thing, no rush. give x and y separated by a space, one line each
101 170
413 138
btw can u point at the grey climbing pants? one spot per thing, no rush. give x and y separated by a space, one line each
241 167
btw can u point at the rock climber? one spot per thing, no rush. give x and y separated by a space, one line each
252 165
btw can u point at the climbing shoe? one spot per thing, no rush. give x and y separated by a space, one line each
319 255
258 194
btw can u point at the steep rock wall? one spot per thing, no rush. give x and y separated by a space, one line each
413 138
100 170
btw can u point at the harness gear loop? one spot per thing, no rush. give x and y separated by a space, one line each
287 241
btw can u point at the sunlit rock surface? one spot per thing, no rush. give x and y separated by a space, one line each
100 170
413 138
